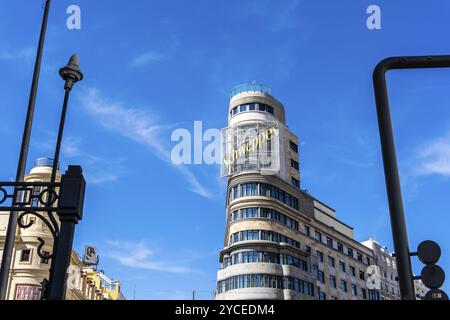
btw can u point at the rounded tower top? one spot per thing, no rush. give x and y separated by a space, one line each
43 166
254 102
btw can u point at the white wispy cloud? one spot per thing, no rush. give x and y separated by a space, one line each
164 52
140 255
71 147
96 169
147 58
102 177
137 125
24 54
434 157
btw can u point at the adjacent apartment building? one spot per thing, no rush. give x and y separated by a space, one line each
280 241
28 269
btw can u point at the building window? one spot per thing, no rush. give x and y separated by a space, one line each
329 242
266 257
352 271
344 285
333 298
315 270
262 235
364 293
35 199
361 275
321 276
318 236
252 107
294 164
307 231
350 252
295 182
248 189
374 295
331 262
264 213
332 281
359 256
293 146
320 256
265 190
342 266
308 249
25 255
322 296
354 290
340 247
265 281
368 260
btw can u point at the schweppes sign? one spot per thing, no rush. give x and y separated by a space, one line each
250 147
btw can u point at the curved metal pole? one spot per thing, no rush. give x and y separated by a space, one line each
12 222
398 223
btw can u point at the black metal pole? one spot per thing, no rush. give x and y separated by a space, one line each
60 135
398 224
53 178
12 222
58 276
70 211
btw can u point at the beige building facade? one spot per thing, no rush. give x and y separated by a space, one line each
280 241
28 269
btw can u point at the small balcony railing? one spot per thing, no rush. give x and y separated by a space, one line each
250 87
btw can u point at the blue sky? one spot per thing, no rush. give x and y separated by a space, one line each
151 67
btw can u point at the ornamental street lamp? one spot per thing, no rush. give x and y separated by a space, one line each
13 216
71 74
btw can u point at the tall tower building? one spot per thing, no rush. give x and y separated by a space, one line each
280 242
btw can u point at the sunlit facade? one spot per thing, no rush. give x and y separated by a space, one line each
28 269
280 241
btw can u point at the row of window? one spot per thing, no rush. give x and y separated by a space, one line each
343 286
342 266
339 246
373 294
267 257
265 190
262 235
265 281
251 107
266 213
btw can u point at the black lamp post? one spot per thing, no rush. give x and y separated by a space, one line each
13 216
71 73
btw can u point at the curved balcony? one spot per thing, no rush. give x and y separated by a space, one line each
44 162
250 87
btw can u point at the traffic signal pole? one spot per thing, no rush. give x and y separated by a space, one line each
398 223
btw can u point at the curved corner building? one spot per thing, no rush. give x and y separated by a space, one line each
280 242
